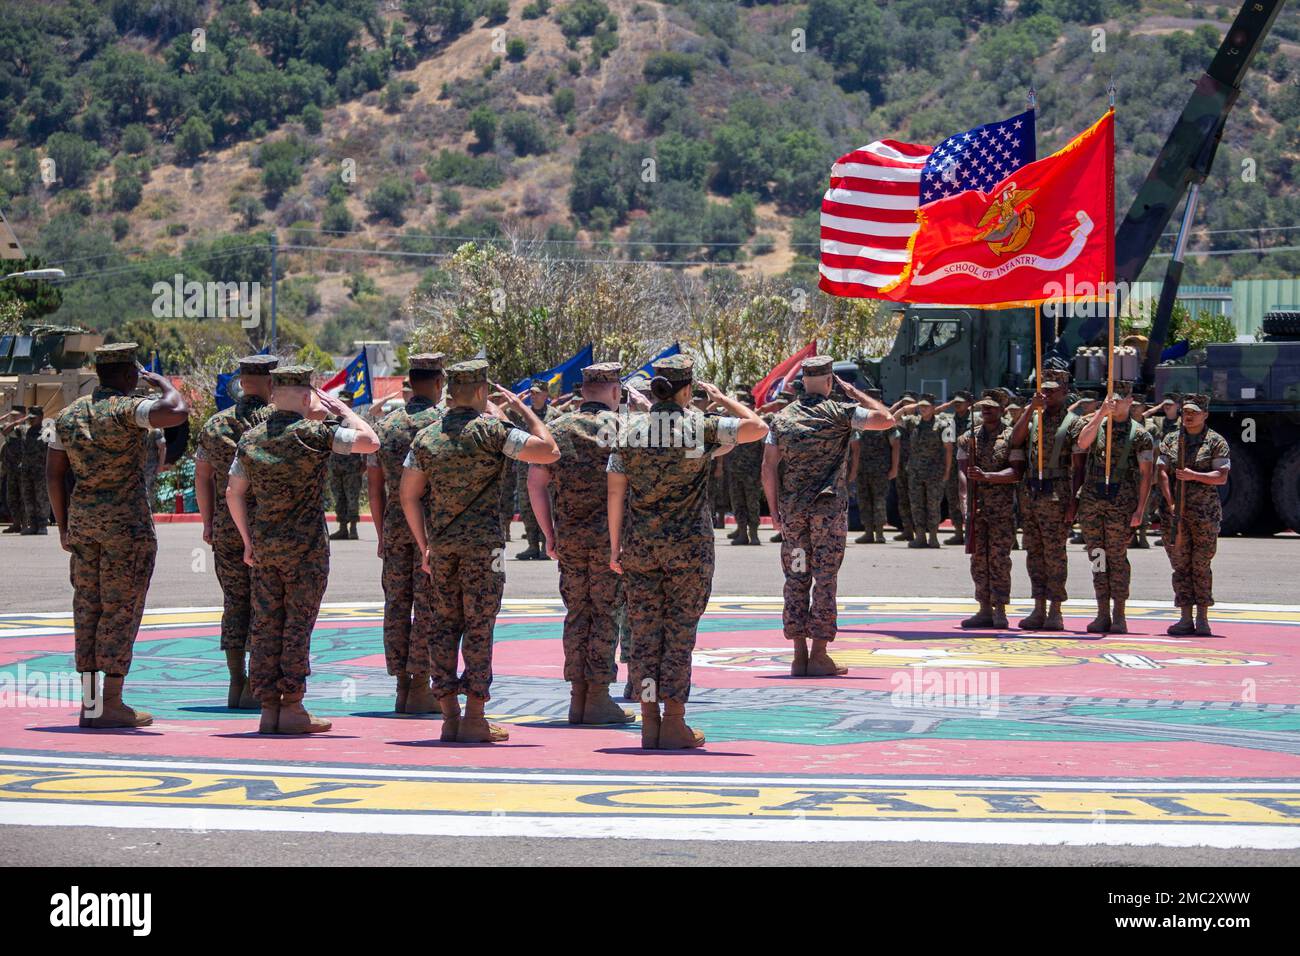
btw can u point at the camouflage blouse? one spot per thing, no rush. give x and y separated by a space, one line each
100 433
875 453
667 455
586 437
396 431
1207 451
218 442
813 435
464 454
1125 467
993 452
925 443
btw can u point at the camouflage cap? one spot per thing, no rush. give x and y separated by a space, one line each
993 393
908 396
987 402
601 372
258 364
19 408
817 365
468 373
35 411
927 398
295 376
119 353
962 395
1050 385
1196 402
540 385
676 368
426 361
1121 390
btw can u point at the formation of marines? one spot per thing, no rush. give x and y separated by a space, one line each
618 489
22 470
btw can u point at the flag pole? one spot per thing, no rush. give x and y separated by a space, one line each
1038 383
1110 302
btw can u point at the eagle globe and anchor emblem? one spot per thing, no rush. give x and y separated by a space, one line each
1005 228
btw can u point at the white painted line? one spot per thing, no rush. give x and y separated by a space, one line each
198 820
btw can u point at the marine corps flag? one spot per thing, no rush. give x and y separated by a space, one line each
1044 232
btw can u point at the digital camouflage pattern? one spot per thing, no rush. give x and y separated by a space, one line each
667 540
925 477
901 490
874 459
745 486
1105 522
951 491
345 474
286 460
11 460
408 609
35 496
465 456
110 528
218 441
1197 539
990 527
589 587
1042 512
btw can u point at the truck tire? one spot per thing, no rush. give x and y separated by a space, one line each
1286 487
1243 495
1282 323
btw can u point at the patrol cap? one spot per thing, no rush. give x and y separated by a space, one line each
987 402
601 373
295 376
787 392
817 365
675 368
962 395
426 361
540 385
119 353
927 398
908 396
1198 402
875 393
1121 390
35 411
1050 385
19 408
471 372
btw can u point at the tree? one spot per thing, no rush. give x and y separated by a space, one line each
278 176
389 199
524 133
74 158
516 49
483 123
127 191
194 139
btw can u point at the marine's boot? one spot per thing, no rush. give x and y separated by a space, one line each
799 663
736 534
403 693
674 734
601 709
880 537
474 727
903 535
1000 617
1139 540
1101 623
528 554
1118 625
1076 537
577 700
980 619
1203 620
270 723
1034 620
957 538
352 531
934 540
867 537
539 543
776 538
753 535
116 712
629 692
420 699
247 699
739 538
820 663
14 528
1015 542
650 724
916 542
341 534
294 718
450 707
238 678
1184 624
1054 621
91 700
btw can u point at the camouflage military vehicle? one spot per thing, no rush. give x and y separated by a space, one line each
44 366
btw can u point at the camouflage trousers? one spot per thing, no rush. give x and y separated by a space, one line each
531 528
236 580
952 494
13 495
347 496
926 495
36 500
873 490
109 584
1046 534
408 611
589 589
466 587
506 503
1191 558
904 502
1106 535
744 492
990 537
718 497
812 550
667 588
286 600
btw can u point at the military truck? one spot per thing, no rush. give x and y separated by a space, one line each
44 366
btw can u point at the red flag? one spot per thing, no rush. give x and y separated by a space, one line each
783 374
1046 232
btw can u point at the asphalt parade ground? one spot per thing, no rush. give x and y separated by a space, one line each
939 746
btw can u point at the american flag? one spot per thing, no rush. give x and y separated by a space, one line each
869 213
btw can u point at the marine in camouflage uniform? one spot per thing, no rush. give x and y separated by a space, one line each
960 418
11 459
990 467
811 438
744 467
576 527
346 473
902 491
1108 513
929 439
1194 535
664 546
877 465
218 440
283 463
462 457
408 610
538 396
107 526
1047 507
36 499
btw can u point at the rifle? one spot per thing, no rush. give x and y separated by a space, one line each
970 487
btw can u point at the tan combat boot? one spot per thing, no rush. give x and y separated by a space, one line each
91 699
238 678
1118 625
1101 623
247 699
1035 619
820 663
799 663
294 718
866 537
934 540
450 707
341 534
403 693
599 707
117 713
270 723
352 531
1054 621
420 698
1184 624
980 619
577 700
474 727
674 734
1000 622
650 724
1203 620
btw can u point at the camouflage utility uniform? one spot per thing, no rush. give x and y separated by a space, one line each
1198 524
951 491
36 499
218 442
1105 521
902 492
345 474
989 529
110 528
925 479
13 489
745 488
875 456
1043 509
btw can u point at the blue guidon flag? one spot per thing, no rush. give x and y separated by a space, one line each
353 382
647 371
564 377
